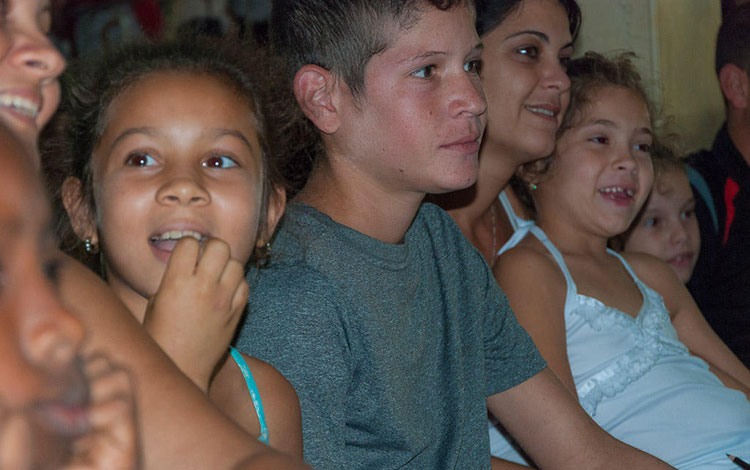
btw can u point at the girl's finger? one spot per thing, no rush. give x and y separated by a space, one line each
213 260
184 258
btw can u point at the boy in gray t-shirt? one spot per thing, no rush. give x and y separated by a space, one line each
387 322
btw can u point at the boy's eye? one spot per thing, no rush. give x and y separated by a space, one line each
424 72
529 51
140 160
643 148
473 66
600 139
651 222
219 161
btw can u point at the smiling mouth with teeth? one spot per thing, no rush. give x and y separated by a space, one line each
545 112
20 105
617 192
168 240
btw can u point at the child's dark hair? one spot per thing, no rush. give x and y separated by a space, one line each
491 13
91 87
588 75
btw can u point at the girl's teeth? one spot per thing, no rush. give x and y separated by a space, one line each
178 234
628 192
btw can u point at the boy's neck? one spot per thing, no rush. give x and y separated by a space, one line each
357 202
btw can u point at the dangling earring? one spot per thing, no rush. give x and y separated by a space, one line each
532 186
262 255
90 247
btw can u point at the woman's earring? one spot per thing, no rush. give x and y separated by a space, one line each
532 186
90 247
262 255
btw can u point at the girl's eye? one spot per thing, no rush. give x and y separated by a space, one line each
140 160
529 51
600 140
650 223
643 148
424 72
473 66
687 214
219 161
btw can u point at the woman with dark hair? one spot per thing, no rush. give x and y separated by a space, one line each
527 44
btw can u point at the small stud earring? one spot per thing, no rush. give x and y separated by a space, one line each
90 247
263 255
532 186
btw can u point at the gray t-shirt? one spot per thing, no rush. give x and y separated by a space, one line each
392 349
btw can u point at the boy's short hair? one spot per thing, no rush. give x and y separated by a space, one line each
342 35
733 40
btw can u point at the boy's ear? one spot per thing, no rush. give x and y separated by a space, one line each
276 206
78 211
735 85
315 89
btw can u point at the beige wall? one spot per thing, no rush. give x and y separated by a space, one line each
675 42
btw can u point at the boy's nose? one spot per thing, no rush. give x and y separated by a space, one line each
469 97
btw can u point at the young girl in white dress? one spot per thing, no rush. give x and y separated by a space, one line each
621 332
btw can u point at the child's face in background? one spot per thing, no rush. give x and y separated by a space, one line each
417 125
667 227
601 172
40 376
29 67
179 156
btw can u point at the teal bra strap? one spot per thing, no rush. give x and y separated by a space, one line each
254 394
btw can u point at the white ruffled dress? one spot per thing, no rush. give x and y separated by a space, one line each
640 383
